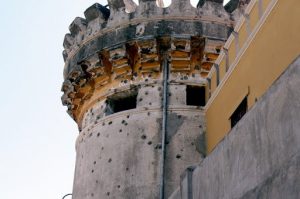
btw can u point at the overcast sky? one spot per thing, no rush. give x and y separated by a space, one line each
37 145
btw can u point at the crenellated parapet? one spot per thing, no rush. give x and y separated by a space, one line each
137 79
122 43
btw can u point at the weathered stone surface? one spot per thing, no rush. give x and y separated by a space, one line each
233 5
116 4
111 53
180 18
119 154
115 159
260 156
96 11
283 183
92 41
182 141
153 30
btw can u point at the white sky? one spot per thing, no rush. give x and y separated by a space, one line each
37 145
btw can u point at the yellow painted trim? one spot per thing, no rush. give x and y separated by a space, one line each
242 51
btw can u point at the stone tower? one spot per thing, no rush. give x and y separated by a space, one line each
135 81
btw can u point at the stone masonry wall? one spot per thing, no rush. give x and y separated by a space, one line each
118 155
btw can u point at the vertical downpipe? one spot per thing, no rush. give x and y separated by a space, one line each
165 65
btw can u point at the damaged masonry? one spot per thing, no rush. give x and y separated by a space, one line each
135 81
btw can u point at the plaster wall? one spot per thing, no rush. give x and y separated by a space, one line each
118 155
274 46
260 157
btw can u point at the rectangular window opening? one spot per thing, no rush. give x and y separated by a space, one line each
239 112
195 95
121 102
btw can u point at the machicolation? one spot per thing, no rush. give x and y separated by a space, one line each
135 81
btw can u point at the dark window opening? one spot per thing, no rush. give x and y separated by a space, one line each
195 95
121 102
239 112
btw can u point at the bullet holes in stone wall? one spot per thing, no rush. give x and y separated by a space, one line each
195 95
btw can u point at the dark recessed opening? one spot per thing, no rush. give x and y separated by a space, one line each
195 95
239 112
121 102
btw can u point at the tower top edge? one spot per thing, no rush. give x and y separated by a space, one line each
101 18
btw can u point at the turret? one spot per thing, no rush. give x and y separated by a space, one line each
135 83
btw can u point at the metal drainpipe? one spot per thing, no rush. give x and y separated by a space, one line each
164 123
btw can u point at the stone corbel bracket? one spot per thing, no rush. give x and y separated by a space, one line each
120 44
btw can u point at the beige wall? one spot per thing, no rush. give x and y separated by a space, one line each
272 49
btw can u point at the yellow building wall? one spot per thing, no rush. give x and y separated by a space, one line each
273 48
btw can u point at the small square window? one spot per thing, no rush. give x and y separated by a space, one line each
239 112
121 102
195 95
